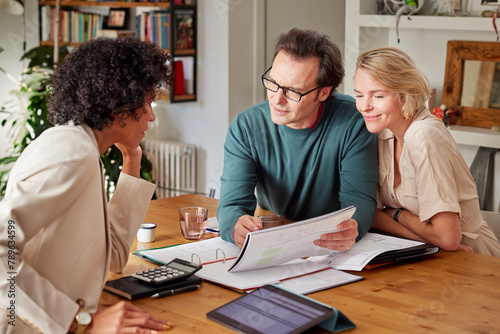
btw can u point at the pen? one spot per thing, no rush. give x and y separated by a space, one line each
212 230
172 292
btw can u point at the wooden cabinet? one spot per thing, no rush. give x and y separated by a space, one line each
172 25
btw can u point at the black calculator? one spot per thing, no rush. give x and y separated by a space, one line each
174 271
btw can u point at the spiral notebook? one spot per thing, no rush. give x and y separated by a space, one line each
277 245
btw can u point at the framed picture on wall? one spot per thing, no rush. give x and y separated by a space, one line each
184 30
117 18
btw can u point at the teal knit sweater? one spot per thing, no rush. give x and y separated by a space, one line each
299 173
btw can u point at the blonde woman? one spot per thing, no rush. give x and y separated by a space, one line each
425 190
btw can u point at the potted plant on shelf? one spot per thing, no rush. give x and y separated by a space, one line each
26 117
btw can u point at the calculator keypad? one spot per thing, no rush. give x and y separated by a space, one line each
159 275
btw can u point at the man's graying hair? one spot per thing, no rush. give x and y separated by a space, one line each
304 44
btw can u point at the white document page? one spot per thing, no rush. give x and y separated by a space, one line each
364 251
321 280
206 251
270 247
251 279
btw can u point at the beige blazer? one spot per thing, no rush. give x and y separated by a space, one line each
65 236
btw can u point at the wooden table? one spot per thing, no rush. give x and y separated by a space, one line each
449 292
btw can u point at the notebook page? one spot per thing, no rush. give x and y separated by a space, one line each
270 247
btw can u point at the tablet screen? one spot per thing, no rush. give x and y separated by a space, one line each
270 309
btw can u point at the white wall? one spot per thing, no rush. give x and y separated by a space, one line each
324 16
246 54
204 122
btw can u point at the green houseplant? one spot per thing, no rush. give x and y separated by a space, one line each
26 116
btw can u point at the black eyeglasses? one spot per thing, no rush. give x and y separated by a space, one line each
289 93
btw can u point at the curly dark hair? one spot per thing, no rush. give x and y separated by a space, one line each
303 44
105 78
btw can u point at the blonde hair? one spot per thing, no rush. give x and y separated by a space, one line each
397 72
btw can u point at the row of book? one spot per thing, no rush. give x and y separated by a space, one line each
77 27
154 26
74 27
177 2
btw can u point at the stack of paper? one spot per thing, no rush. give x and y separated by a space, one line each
276 255
215 269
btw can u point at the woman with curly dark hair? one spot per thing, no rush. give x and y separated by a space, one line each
67 237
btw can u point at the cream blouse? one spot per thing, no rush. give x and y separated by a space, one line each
434 175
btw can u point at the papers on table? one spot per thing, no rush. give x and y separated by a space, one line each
266 260
216 270
363 251
318 281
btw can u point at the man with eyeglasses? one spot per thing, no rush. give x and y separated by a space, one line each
304 152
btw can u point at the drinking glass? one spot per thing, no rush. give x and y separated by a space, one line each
193 221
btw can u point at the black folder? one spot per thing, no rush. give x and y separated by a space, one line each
405 254
131 288
402 254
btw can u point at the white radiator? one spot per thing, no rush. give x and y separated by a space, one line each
174 166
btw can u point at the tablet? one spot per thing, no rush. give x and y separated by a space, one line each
271 309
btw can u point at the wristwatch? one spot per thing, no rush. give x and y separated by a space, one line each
396 214
83 317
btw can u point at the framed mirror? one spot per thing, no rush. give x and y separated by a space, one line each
472 82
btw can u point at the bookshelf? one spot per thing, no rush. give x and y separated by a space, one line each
172 25
183 50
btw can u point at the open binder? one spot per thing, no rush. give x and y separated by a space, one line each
219 257
266 254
